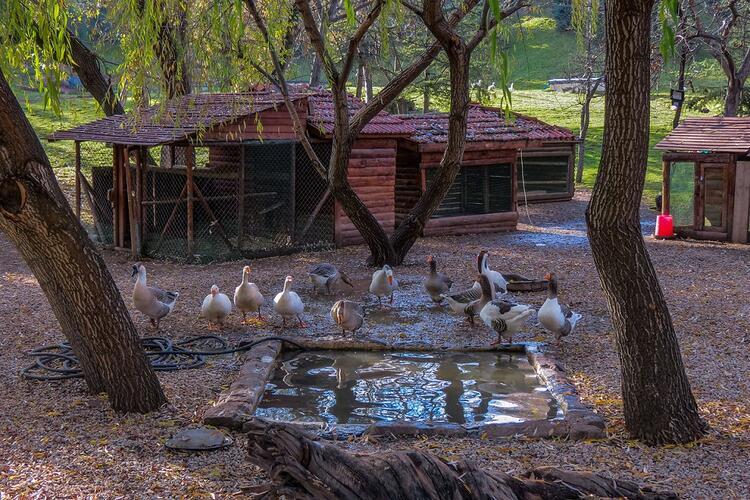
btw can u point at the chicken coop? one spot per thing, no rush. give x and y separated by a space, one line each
706 178
504 161
219 176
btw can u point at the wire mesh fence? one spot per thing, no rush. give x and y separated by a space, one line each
218 202
682 193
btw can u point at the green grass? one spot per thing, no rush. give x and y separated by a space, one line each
540 52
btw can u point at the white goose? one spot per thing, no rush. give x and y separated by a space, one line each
287 304
383 283
325 275
247 297
497 279
149 300
555 317
216 307
504 317
348 315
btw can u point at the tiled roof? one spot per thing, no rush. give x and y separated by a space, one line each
486 124
709 135
177 120
321 117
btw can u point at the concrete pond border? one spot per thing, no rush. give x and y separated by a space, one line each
236 406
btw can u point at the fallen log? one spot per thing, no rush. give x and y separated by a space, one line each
302 466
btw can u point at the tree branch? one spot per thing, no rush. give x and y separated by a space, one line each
352 51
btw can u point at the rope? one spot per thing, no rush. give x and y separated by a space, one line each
57 361
523 184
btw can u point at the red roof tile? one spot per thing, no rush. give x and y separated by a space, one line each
709 135
322 117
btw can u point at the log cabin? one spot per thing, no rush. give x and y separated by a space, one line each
217 176
706 178
485 195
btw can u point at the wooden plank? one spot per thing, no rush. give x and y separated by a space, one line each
140 161
241 199
189 193
741 202
131 205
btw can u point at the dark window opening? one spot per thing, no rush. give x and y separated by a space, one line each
543 175
477 190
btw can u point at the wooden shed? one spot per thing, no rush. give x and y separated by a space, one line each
217 176
485 194
706 178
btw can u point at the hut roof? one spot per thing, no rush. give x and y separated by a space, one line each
177 120
321 117
709 135
486 124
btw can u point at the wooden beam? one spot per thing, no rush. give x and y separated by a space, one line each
140 160
314 214
189 192
741 202
133 224
241 199
214 219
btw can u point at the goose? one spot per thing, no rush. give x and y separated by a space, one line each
287 304
474 307
383 283
503 316
149 300
437 283
459 300
247 297
497 279
326 275
555 317
216 307
348 315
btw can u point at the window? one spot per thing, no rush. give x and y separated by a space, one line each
477 190
543 174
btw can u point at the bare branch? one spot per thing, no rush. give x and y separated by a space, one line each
316 40
352 51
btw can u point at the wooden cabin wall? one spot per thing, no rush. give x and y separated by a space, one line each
471 224
740 223
372 174
408 180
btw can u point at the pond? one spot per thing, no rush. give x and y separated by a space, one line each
363 387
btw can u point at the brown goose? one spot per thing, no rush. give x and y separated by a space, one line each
325 275
437 283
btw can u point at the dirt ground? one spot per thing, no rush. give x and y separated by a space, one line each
57 440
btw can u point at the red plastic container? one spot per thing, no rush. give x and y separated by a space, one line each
664 226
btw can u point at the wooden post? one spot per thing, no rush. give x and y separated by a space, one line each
665 166
741 202
189 194
78 181
139 160
293 190
241 199
132 210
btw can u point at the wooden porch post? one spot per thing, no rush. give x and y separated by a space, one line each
189 193
665 167
139 158
241 199
132 210
78 180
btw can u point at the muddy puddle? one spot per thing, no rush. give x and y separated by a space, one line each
362 387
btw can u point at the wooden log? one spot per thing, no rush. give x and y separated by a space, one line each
741 202
301 466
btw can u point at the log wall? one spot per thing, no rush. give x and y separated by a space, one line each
372 174
271 124
471 224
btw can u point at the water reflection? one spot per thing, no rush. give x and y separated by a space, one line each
360 387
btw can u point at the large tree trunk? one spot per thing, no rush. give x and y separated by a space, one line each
733 98
302 468
36 217
658 404
86 65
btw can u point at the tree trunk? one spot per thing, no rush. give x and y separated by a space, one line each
367 72
37 218
658 404
734 96
410 229
585 121
301 467
426 92
86 65
360 79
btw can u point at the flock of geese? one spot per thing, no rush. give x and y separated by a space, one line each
487 299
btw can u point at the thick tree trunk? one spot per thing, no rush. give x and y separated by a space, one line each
86 65
36 217
658 404
733 98
301 467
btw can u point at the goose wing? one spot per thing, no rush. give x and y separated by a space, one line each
324 270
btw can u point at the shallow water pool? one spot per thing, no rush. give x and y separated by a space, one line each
362 387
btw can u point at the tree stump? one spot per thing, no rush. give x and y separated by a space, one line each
302 466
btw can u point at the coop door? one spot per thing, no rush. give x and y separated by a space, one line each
712 187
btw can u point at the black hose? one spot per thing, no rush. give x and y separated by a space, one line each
58 362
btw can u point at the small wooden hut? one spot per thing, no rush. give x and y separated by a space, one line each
706 178
215 176
485 194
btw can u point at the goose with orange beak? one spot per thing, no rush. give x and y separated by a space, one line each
247 297
383 284
554 316
288 305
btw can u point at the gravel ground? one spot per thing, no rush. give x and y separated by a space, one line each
57 440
